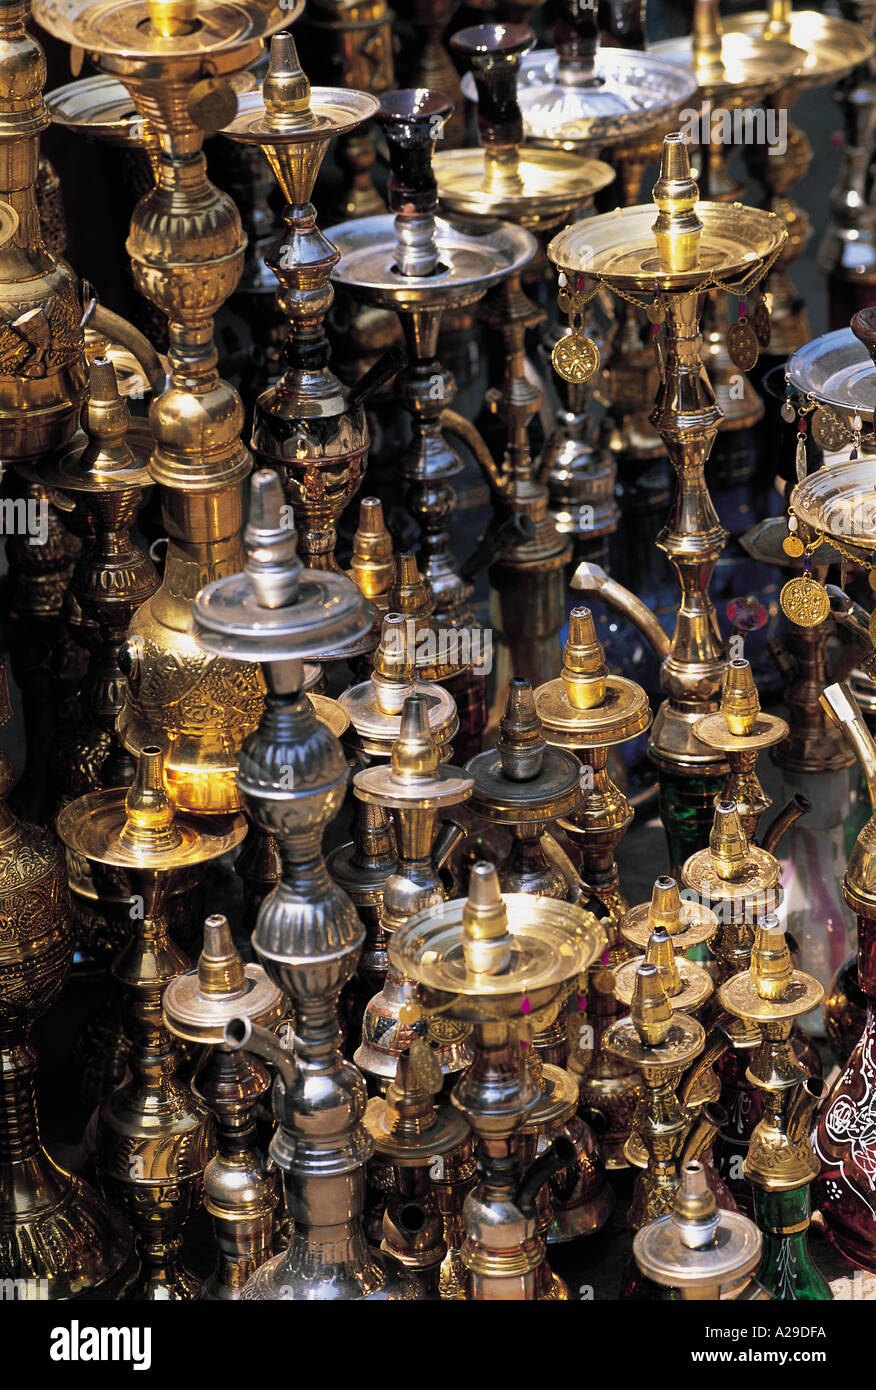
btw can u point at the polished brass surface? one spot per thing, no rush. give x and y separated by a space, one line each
497 964
741 730
859 883
687 923
687 984
697 1248
56 1234
373 563
238 1192
416 787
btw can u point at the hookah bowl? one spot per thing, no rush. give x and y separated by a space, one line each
740 730
421 266
833 48
54 1229
687 984
489 962
416 787
417 1139
239 1193
308 426
589 711
43 379
375 706
538 190
845 1136
628 251
372 566
700 1251
780 1163
187 250
152 1138
293 776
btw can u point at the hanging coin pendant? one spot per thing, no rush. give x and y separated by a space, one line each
805 601
793 546
656 312
828 432
742 345
760 322
425 1066
871 579
788 413
444 1031
576 359
564 301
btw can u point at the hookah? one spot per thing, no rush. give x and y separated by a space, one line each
740 730
416 1137
589 711
175 61
361 867
780 1163
833 48
700 1251
54 1228
372 565
239 1194
292 778
490 963
538 190
847 252
687 985
152 1138
668 259
375 706
436 658
672 1125
308 426
416 787
421 267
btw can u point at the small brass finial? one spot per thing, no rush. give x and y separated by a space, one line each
106 420
394 677
220 969
415 753
664 913
584 669
771 966
272 564
486 940
286 90
372 566
521 742
148 808
650 1009
740 703
659 952
172 18
677 229
696 1208
410 1107
707 40
728 843
409 593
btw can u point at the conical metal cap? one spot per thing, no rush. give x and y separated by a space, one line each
149 827
584 668
728 843
486 940
740 703
521 742
272 565
650 1010
771 966
677 230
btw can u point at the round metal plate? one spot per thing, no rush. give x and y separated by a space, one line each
840 500
202 1018
662 1255
544 187
739 996
837 371
832 47
554 791
330 611
336 111
124 27
623 714
92 825
444 787
753 66
99 106
701 924
768 729
685 1040
696 984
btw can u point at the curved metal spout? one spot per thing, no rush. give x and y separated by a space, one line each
592 580
711 1118
841 707
560 1155
798 806
848 613
451 422
242 1033
806 1099
717 1043
118 330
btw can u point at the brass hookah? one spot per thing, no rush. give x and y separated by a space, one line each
734 72
740 731
43 380
688 985
416 1137
626 251
372 565
239 1194
361 867
176 63
589 711
152 1138
670 1128
436 657
536 189
833 48
375 706
780 1163
308 426
491 962
699 1251
416 787
54 1229
390 262
293 778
